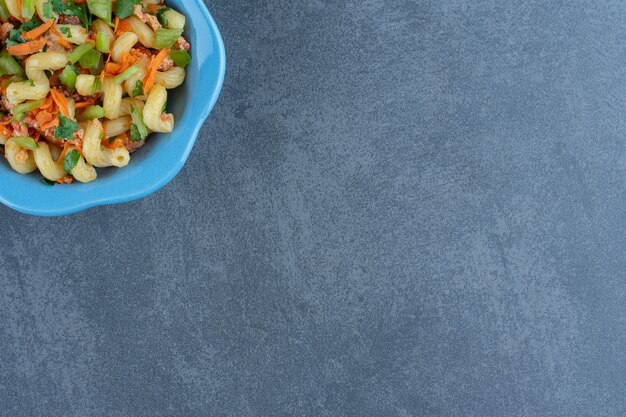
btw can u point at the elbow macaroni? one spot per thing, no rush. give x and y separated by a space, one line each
101 157
153 115
39 85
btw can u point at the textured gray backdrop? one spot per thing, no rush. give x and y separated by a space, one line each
397 208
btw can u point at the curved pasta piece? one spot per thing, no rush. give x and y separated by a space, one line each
174 19
20 91
143 31
127 102
71 107
48 167
171 78
98 156
112 98
85 85
77 32
122 45
153 115
15 8
20 159
116 127
100 25
83 172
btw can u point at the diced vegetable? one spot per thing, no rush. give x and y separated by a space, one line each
4 11
68 77
8 64
71 160
100 8
25 142
165 38
21 109
161 17
125 8
138 129
90 58
92 112
80 50
128 73
180 57
103 42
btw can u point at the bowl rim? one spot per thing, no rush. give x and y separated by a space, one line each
152 187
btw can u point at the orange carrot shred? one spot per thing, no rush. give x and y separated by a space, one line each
60 101
82 104
66 145
27 48
148 81
33 34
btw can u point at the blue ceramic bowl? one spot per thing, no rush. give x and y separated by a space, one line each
156 163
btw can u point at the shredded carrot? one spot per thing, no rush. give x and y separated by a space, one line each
148 81
27 48
82 104
48 125
66 146
33 34
43 117
117 22
60 101
37 136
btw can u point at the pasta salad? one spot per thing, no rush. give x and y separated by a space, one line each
84 82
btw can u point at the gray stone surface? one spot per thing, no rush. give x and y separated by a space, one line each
397 208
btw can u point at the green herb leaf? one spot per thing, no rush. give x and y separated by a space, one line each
15 35
66 31
48 182
125 8
138 90
66 128
70 160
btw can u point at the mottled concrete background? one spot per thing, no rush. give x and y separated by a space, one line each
397 208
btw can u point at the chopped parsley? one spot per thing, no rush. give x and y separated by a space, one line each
66 128
66 31
71 160
15 35
48 182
